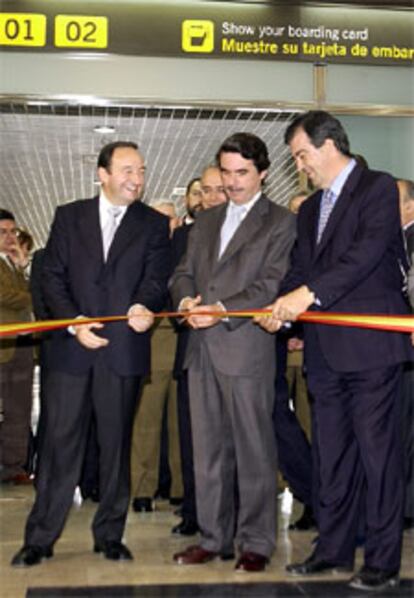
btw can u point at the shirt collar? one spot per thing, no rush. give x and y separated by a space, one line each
247 206
104 207
340 180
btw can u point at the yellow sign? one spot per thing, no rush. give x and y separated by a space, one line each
198 36
22 29
72 31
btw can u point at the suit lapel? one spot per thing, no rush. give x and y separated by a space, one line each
131 225
89 227
217 219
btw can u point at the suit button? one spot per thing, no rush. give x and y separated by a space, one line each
211 288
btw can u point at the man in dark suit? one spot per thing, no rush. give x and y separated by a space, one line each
236 256
105 256
348 258
406 191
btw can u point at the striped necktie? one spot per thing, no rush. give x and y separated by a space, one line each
327 204
109 230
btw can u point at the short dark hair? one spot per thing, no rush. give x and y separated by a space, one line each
191 183
25 238
106 153
320 126
6 215
249 146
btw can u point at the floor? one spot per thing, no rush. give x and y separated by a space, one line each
76 571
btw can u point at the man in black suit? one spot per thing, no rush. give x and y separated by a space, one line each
348 258
406 190
105 256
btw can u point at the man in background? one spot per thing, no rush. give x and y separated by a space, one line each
406 191
16 355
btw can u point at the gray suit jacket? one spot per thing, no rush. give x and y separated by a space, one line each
247 276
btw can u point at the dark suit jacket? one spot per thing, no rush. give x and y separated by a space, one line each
409 239
77 281
246 276
355 268
178 249
40 309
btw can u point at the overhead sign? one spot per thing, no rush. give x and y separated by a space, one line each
209 29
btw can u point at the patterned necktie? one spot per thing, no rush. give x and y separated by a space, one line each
327 204
109 230
234 216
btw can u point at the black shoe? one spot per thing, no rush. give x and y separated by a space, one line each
176 501
142 505
93 494
373 579
114 551
314 565
408 523
305 523
186 527
31 555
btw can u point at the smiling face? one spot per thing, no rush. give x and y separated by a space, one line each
315 162
123 180
241 179
212 190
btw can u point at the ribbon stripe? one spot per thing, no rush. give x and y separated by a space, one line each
402 323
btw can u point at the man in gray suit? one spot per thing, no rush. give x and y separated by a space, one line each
237 254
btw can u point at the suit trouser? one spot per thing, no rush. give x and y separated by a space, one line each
294 450
407 418
360 461
299 391
158 393
231 420
71 399
16 379
188 508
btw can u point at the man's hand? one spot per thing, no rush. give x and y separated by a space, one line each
197 320
269 323
189 303
140 318
18 255
290 306
87 338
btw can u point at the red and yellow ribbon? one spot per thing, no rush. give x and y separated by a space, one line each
400 323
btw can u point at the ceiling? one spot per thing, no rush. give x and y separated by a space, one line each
373 3
49 150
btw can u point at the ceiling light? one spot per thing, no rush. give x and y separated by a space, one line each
104 130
